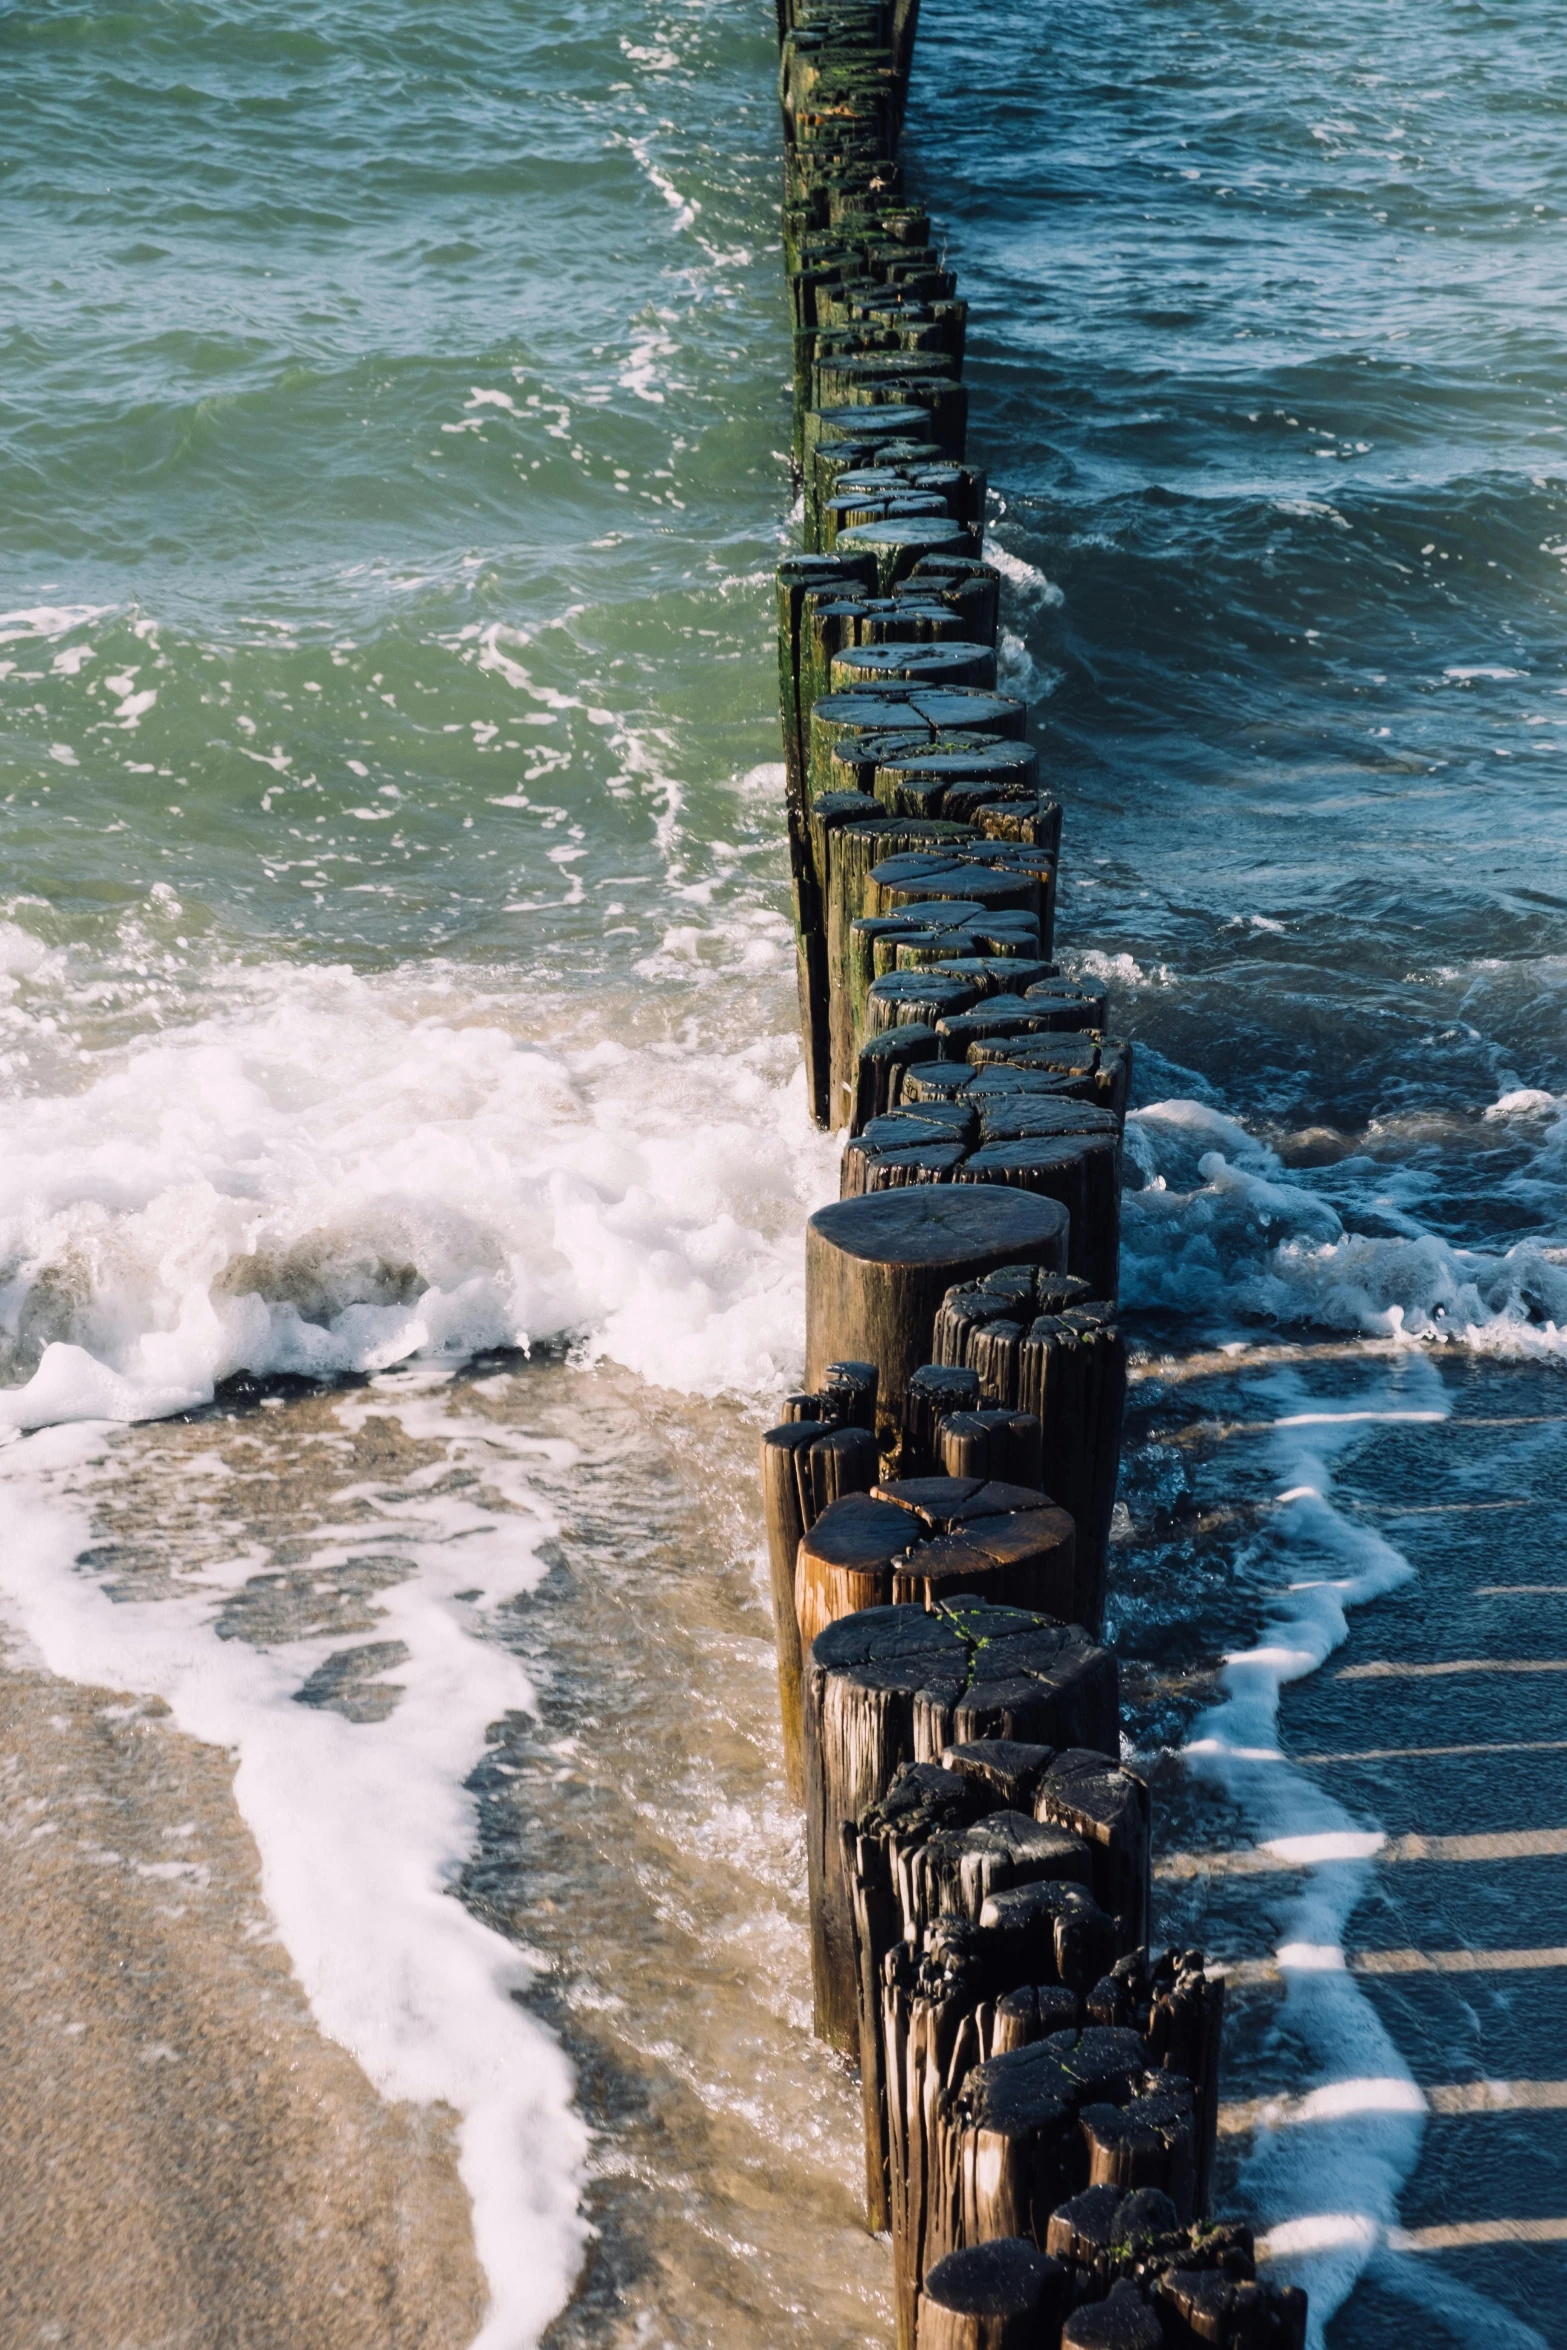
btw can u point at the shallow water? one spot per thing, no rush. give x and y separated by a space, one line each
398 974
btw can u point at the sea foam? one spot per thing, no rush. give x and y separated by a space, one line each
360 1826
1325 2176
329 1173
1221 1230
1328 2192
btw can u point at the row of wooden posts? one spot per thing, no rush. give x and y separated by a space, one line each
1040 2083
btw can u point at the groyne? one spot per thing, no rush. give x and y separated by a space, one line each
1040 2080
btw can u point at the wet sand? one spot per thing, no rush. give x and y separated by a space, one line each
184 2160
207 2171
632 1835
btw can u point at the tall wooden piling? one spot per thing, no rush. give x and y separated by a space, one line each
896 1684
878 1269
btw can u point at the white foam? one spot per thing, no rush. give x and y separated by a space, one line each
1526 1101
1324 2231
1221 1227
685 208
1307 507
329 1173
48 620
1312 1956
1020 674
360 1826
660 60
1120 970
1341 2098
1022 574
1315 1852
641 373
1326 2197
305 1169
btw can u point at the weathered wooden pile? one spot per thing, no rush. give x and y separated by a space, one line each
1040 2085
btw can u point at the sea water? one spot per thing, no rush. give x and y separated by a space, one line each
405 1152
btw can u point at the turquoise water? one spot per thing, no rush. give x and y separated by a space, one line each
345 357
389 489
395 971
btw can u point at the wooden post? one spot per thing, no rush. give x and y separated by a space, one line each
827 623
1108 2235
844 1461
972 583
928 995
931 934
927 1543
1178 2009
899 706
899 543
1108 1807
902 1127
922 1801
1046 1007
825 1449
905 380
799 577
1124 2321
853 851
1005 2295
1096 1799
897 1684
975 2146
1067 1159
935 1390
1068 1368
1002 2149
1090 1067
944 950
1147 2143
883 1064
1225 2305
866 427
827 462
858 666
918 1859
916 877
878 1268
995 1444
785 1525
845 1563
851 1390
968 771
933 1851
1003 1772
1082 1172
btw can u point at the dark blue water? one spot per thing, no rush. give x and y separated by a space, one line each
1269 368
1269 371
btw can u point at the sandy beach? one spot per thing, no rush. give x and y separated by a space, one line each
184 2159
